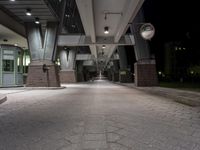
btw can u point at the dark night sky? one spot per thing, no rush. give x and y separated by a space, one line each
173 20
173 16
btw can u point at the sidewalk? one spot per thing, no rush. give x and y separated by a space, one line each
182 96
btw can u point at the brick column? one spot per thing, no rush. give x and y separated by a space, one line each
68 76
38 77
145 73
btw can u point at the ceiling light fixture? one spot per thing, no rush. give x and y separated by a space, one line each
37 20
12 0
28 12
103 46
106 30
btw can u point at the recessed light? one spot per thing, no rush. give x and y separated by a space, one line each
37 20
106 30
12 0
28 12
103 46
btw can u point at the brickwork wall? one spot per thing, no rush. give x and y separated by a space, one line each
68 76
38 78
145 74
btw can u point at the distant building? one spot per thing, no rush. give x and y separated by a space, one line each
175 63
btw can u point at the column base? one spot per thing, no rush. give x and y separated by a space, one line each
67 76
37 77
125 76
145 73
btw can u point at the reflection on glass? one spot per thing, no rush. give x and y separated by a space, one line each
26 60
19 64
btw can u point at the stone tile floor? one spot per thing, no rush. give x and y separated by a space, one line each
186 97
96 116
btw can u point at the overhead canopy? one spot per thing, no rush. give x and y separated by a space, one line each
114 14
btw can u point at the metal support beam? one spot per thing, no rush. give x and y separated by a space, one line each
130 11
86 12
88 63
84 57
82 40
142 50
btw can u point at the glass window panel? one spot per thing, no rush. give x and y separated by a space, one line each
8 65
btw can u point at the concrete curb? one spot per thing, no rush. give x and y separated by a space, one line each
44 88
3 98
191 100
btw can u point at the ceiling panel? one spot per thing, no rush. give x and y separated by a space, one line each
11 37
39 9
112 21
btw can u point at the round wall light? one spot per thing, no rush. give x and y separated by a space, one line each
147 31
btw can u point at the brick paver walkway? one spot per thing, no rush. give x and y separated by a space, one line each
96 116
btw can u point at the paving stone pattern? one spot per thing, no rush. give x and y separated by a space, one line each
96 116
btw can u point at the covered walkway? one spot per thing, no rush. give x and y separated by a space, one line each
96 116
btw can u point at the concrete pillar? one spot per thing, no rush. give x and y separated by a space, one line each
109 70
80 72
109 74
42 71
67 60
145 73
115 71
123 58
145 67
124 73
